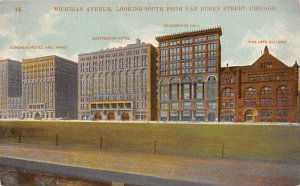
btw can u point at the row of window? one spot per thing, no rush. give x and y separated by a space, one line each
187 116
266 77
267 102
114 64
212 104
114 54
189 40
176 87
250 91
183 56
188 49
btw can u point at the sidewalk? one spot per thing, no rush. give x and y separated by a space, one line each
208 171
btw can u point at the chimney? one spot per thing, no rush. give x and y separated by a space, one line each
137 41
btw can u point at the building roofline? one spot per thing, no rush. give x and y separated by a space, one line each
128 46
50 56
5 60
190 33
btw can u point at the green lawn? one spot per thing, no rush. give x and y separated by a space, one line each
267 143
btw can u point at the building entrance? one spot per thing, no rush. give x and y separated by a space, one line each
97 116
250 115
125 116
37 115
111 116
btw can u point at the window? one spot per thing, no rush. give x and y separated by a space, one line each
174 116
136 81
212 88
212 46
164 106
283 90
200 39
199 105
186 88
266 91
211 37
250 91
186 116
228 92
163 90
174 105
282 96
174 88
212 104
128 82
200 48
200 116
122 84
199 87
186 105
250 102
266 101
227 116
107 83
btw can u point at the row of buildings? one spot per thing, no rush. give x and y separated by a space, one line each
180 80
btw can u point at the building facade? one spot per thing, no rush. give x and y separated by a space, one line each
118 83
10 89
265 91
49 88
188 75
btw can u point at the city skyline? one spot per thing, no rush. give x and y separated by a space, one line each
181 80
43 26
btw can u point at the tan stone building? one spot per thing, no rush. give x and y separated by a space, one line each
49 88
10 89
188 75
118 83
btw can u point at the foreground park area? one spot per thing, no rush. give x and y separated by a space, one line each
244 142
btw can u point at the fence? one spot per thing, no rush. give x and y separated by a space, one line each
66 139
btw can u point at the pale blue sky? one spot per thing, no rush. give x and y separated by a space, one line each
38 24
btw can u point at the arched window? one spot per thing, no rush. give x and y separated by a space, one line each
107 83
283 90
199 87
250 115
282 96
174 88
212 93
163 89
211 116
212 88
250 91
186 88
265 96
266 91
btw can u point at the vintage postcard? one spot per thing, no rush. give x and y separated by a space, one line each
149 92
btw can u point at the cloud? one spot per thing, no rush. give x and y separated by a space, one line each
35 32
48 21
287 52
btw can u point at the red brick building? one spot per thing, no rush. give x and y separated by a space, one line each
265 91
